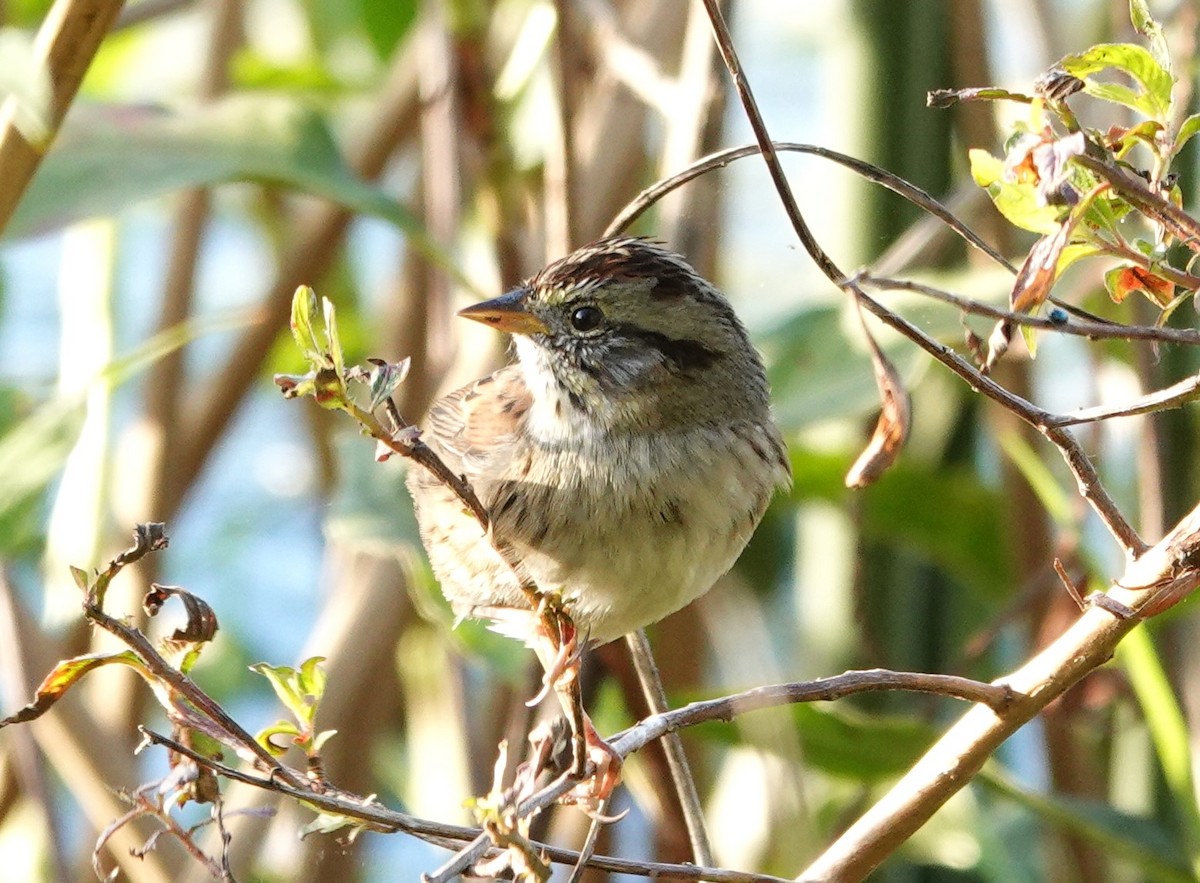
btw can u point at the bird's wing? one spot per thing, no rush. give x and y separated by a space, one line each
475 429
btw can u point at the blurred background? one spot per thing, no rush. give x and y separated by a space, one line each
408 158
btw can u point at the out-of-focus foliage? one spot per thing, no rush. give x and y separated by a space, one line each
404 158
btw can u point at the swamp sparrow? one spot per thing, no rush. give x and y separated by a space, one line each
625 459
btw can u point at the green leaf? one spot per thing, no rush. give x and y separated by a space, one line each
288 685
108 158
321 738
1187 131
1168 729
1138 839
328 823
1155 80
1017 201
1144 24
331 336
312 678
265 737
844 742
304 314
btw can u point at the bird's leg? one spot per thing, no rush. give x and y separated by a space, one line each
560 652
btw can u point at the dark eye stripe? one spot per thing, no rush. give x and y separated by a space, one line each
685 354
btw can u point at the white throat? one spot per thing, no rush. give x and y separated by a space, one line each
553 419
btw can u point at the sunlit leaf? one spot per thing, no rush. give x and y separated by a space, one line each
1187 131
269 737
1153 100
950 97
1145 24
1125 280
65 675
304 317
286 682
1018 202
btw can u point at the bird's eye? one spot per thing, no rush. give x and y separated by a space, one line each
586 318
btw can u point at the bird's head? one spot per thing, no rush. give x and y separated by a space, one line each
626 334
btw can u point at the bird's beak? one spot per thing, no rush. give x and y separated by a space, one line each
509 312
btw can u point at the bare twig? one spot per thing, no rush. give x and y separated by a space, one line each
1085 473
918 197
1092 330
652 727
381 818
1174 396
677 762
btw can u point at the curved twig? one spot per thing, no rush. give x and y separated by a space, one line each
914 194
1085 473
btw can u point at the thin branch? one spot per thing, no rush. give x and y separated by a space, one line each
995 696
1088 328
914 194
1085 473
381 818
163 670
1174 396
1174 219
655 726
677 762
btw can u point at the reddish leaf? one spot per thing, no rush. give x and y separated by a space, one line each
201 623
891 430
64 676
1122 281
1036 279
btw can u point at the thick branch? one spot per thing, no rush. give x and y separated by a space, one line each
1160 577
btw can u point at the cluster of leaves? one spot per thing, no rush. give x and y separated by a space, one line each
1078 188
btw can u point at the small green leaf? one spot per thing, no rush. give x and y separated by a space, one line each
328 823
304 315
321 738
1018 202
265 737
284 680
1144 24
81 577
1187 131
312 677
331 336
1156 81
